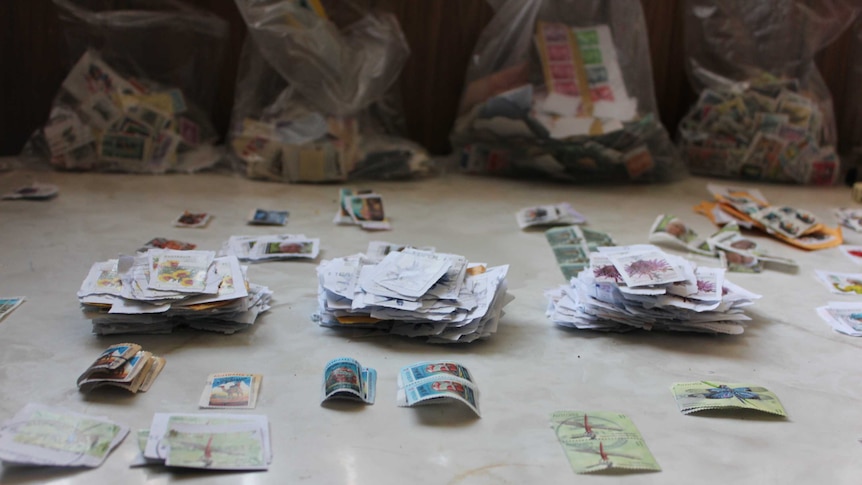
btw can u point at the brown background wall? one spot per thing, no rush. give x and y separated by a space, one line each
441 34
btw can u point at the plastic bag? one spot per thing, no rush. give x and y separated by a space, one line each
315 98
764 111
138 94
853 112
523 109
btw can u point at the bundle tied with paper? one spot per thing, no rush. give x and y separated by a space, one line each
125 109
568 95
316 97
764 111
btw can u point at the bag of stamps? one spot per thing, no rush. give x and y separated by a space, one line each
317 94
763 110
563 89
138 94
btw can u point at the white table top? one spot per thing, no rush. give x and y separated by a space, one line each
527 370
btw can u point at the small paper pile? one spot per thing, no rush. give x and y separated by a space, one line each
46 436
640 286
363 208
749 209
414 293
210 441
158 290
437 382
737 253
108 122
124 365
272 247
692 397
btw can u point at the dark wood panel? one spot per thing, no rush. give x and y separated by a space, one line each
441 34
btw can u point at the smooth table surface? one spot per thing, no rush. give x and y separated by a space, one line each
526 371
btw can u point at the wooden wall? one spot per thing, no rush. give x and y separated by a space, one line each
441 34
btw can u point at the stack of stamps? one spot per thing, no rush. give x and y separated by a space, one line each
345 378
272 247
126 366
692 397
737 253
47 436
414 293
750 209
561 214
766 129
628 287
209 441
601 440
437 382
104 121
362 208
158 290
572 246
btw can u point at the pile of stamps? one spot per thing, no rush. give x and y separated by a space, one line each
104 121
640 286
767 129
749 209
412 292
580 125
158 290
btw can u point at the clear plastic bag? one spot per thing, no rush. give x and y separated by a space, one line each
316 97
853 111
523 110
138 94
764 111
